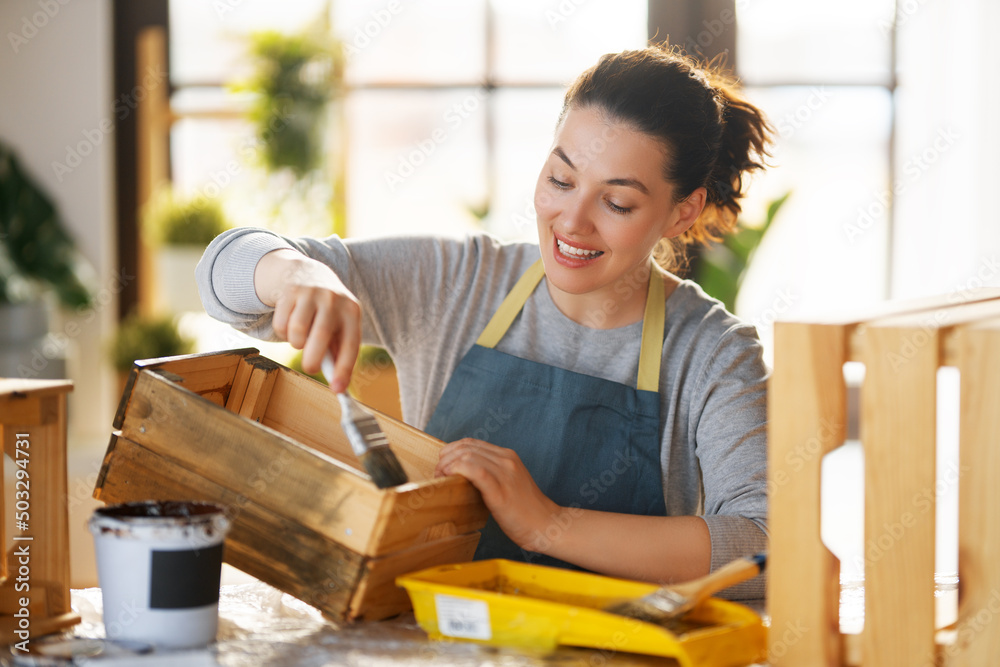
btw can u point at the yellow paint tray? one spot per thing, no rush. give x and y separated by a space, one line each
505 603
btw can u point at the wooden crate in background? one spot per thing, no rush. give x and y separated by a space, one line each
34 570
902 346
240 429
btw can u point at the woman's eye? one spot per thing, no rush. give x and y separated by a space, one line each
621 210
559 184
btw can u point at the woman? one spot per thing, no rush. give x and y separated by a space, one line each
611 415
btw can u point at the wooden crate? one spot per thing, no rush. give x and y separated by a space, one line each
34 571
240 429
902 346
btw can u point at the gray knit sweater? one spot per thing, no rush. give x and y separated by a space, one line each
426 299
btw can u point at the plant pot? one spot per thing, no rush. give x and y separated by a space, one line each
178 288
26 351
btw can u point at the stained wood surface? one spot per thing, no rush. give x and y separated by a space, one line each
262 543
378 596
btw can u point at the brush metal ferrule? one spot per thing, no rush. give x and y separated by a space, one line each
360 426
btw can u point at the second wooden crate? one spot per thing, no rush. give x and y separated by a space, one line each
240 429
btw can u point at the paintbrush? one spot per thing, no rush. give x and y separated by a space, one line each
670 602
366 437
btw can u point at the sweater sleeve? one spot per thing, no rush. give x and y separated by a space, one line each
390 276
731 446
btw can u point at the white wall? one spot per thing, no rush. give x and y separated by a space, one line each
55 93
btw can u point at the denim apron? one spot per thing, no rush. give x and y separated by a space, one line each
587 442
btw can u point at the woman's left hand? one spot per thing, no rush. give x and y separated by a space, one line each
520 508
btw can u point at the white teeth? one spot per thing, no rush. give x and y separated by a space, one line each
576 252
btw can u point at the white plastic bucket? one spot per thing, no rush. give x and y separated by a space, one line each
158 565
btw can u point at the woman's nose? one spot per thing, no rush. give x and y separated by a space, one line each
575 218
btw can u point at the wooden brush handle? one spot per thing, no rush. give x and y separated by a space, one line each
728 575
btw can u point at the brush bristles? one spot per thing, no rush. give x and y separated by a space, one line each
654 608
384 468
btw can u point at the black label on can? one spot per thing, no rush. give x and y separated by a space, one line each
185 579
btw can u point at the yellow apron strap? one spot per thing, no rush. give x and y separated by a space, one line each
511 306
652 334
652 323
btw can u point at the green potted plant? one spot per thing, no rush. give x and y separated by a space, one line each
39 267
721 267
180 228
294 78
145 337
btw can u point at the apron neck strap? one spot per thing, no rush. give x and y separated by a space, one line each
652 321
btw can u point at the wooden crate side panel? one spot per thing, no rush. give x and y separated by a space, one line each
978 636
252 460
310 413
46 486
898 428
429 511
266 545
807 408
379 597
210 374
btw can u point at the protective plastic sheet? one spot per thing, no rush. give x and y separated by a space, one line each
259 625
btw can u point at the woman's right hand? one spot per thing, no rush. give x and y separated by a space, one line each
313 311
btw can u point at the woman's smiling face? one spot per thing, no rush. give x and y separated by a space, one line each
602 205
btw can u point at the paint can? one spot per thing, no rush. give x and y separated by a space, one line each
159 565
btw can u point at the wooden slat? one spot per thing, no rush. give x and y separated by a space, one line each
898 427
978 632
259 386
379 597
927 304
262 543
239 389
920 324
428 511
269 468
807 408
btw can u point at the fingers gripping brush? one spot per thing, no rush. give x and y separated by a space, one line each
367 439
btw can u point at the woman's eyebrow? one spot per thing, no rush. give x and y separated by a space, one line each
627 182
561 154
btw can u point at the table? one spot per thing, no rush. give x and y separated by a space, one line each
260 625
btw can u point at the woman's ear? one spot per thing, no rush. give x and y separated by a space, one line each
687 213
